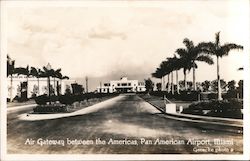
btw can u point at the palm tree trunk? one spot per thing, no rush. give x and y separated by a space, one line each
177 82
27 87
218 79
55 85
185 80
11 85
169 84
194 82
172 82
163 84
38 84
49 89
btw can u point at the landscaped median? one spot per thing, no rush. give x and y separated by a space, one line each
93 107
190 111
68 102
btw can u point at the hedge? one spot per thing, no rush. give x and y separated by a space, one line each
225 108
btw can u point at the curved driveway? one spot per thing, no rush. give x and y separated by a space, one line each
127 119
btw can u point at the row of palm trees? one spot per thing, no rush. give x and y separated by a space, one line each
186 59
46 72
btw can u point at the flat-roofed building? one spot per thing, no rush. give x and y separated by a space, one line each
122 86
19 84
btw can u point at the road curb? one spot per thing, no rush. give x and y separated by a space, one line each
203 119
20 107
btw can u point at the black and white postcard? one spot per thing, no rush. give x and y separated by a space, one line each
125 80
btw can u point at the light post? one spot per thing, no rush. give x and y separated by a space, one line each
86 78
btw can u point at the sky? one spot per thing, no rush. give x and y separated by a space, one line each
108 40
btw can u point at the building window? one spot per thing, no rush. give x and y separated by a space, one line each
124 84
129 84
106 84
118 84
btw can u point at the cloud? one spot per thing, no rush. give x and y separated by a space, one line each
104 34
139 38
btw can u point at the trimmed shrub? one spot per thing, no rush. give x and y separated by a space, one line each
56 108
67 99
42 100
225 108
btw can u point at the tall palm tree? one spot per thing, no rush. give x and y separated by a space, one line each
185 63
36 73
175 66
48 72
159 74
56 74
191 54
10 72
171 68
215 48
61 77
167 69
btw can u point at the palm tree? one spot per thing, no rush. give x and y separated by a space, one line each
159 74
26 72
185 63
61 77
215 48
171 68
56 74
175 65
48 72
10 72
36 73
191 54
167 69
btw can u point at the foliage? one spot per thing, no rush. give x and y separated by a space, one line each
231 85
42 100
77 88
183 95
67 90
67 99
50 108
158 86
10 66
149 85
217 108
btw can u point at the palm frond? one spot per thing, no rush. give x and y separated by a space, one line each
205 58
188 43
217 38
181 52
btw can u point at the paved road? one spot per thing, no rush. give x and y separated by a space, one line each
125 125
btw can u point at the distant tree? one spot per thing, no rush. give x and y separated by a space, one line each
240 88
158 86
231 85
77 88
67 90
205 85
149 85
214 85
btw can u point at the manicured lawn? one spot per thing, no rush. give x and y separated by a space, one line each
159 102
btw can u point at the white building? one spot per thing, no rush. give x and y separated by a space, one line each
122 86
17 86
